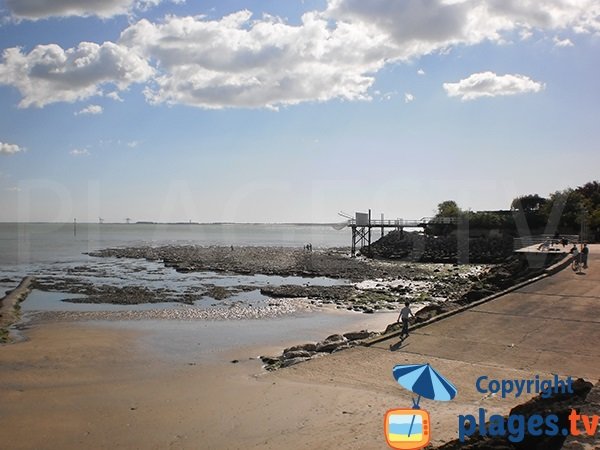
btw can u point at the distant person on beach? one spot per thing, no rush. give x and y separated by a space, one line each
405 314
584 255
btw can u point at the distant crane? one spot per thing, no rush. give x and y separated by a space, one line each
128 220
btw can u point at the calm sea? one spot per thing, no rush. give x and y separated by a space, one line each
34 243
55 250
52 250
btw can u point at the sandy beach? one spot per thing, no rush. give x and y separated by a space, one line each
101 384
122 385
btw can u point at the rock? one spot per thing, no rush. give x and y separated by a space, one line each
292 361
477 294
297 354
328 348
341 347
334 338
396 326
270 360
358 335
329 345
433 310
310 347
218 292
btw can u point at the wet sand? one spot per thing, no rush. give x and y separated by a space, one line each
161 384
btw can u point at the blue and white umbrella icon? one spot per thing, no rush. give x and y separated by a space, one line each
425 381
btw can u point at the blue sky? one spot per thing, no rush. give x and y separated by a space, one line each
290 111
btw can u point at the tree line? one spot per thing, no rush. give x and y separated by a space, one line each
564 212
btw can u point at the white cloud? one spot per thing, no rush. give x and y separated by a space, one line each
385 96
79 152
415 28
133 144
562 42
236 62
90 109
13 189
50 74
114 96
239 61
10 149
408 97
525 34
420 72
41 9
488 84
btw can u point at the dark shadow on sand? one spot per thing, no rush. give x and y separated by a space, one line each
398 345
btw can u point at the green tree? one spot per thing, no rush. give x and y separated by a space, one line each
566 207
528 203
591 203
449 208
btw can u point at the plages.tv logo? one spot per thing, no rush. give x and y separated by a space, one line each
410 428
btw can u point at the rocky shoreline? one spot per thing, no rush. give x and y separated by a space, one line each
364 285
367 285
373 285
497 278
283 261
10 307
300 353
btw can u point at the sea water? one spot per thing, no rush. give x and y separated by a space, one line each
59 249
50 249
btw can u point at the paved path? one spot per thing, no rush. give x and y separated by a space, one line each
549 327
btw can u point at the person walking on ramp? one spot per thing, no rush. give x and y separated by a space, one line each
405 314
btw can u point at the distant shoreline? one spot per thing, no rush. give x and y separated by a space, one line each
143 222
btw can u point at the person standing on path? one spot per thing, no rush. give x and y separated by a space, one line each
584 255
405 314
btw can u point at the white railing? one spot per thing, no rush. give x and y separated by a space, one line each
406 222
528 241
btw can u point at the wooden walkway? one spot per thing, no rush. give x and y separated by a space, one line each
361 229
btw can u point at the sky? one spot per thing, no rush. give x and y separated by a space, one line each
292 110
